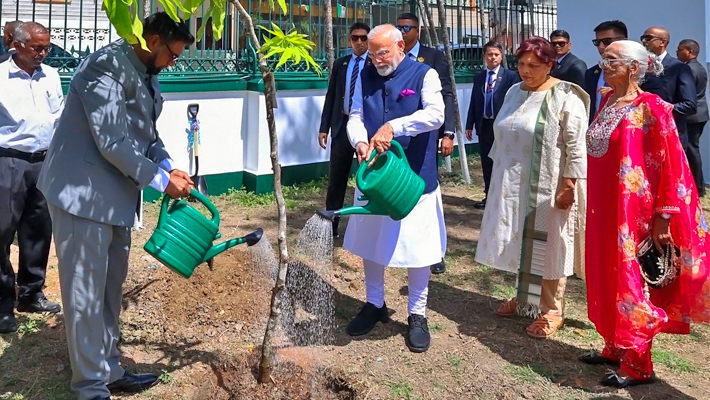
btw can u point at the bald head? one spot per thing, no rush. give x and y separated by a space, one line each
656 40
385 46
8 32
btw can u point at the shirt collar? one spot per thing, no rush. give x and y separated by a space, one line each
15 69
495 70
415 50
662 56
354 57
559 60
133 57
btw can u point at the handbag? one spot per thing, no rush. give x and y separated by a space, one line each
658 270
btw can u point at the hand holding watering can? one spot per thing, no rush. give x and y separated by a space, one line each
380 142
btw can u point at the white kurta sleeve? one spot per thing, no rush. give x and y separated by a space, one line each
356 127
430 117
573 122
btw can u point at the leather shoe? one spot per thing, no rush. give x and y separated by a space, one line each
101 398
38 305
593 358
8 323
367 319
418 337
438 268
480 205
133 383
613 379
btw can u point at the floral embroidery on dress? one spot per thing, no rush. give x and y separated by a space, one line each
636 118
633 177
601 129
702 224
627 244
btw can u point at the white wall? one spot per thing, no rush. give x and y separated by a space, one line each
684 19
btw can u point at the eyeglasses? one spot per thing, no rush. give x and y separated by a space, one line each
559 44
358 38
173 55
606 62
379 55
605 41
405 28
39 49
648 38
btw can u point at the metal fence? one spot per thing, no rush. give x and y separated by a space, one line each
79 27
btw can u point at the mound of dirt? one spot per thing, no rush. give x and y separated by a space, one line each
233 298
236 380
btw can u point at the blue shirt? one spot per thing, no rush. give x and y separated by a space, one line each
348 76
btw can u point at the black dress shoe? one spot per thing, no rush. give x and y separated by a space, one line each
101 398
480 205
594 358
8 323
612 379
418 339
367 319
133 383
38 305
438 268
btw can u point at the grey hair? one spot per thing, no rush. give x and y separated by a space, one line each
388 30
24 31
647 62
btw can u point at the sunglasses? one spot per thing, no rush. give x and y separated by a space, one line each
173 55
405 28
559 44
358 38
648 38
39 49
605 41
606 62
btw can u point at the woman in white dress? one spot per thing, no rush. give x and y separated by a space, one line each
534 220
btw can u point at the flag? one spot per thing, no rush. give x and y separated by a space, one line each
473 3
342 10
305 7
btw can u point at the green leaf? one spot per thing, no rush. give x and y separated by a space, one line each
285 57
170 9
282 4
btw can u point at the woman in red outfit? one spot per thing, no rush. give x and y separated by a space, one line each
636 159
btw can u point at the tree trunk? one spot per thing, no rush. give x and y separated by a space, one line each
433 36
267 350
457 114
329 47
146 8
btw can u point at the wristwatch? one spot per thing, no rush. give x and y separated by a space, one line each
449 135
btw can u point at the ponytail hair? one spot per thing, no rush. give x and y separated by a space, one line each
636 52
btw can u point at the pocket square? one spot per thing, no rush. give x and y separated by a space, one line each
406 92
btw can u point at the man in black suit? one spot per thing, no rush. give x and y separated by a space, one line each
569 67
687 52
8 34
677 78
607 33
336 109
489 89
408 24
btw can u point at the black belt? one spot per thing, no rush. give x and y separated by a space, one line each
29 157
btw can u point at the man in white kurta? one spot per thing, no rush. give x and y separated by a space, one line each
406 97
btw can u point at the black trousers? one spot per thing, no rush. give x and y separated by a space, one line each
341 161
695 130
485 143
23 210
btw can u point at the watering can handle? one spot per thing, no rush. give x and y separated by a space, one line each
395 144
194 193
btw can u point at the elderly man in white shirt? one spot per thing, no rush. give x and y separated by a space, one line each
31 102
405 95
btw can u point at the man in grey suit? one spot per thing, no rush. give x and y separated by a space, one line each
687 52
105 151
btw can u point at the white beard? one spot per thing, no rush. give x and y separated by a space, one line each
387 70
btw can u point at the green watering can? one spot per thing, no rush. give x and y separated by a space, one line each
390 187
183 238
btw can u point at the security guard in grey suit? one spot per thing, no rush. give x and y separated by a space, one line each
105 151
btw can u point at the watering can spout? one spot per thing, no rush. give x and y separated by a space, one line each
329 214
250 239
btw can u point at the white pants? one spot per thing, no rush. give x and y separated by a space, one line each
418 286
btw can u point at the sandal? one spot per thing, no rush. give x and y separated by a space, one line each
508 308
545 326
